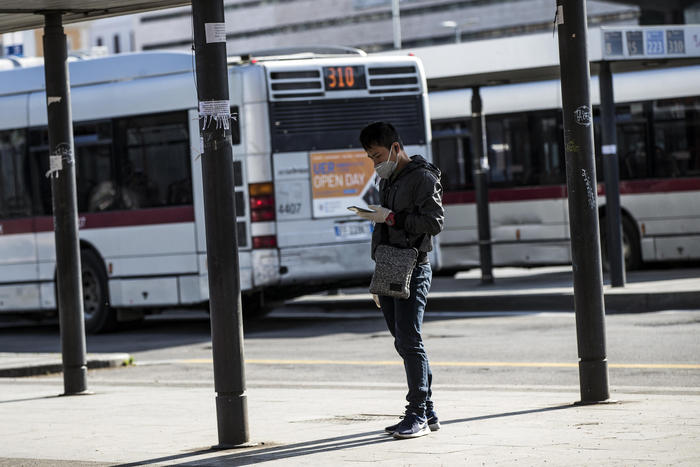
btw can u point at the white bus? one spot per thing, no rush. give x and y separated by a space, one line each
658 139
298 165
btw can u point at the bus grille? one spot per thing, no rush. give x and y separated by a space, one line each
298 83
393 79
336 124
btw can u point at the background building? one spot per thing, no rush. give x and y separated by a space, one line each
255 25
30 43
367 24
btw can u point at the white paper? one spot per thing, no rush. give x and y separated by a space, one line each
215 108
560 14
55 163
215 32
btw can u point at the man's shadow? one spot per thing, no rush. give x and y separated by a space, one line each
262 454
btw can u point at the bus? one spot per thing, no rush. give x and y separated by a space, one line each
658 140
297 163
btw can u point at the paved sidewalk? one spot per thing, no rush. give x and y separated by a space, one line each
541 289
328 425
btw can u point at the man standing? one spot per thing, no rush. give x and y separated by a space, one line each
409 216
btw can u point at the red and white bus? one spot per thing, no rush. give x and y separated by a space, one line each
658 133
298 165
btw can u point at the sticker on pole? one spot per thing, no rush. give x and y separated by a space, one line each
62 152
55 166
218 112
215 32
583 115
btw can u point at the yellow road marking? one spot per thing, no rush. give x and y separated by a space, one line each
675 366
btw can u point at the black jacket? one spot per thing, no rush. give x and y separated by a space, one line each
415 196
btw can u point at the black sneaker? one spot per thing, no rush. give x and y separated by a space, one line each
433 421
412 426
392 428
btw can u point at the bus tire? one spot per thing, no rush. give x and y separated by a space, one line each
631 248
631 245
99 316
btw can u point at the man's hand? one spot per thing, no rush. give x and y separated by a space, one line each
379 215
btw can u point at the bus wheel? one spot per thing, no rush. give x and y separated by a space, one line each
631 248
99 317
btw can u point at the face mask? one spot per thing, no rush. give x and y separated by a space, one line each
386 168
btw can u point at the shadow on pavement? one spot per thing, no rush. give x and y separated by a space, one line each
249 457
257 455
507 414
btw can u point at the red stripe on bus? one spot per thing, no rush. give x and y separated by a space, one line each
16 226
507 194
633 187
664 185
99 220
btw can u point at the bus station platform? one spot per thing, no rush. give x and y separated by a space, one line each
534 289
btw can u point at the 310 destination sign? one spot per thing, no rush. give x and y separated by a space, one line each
655 42
344 77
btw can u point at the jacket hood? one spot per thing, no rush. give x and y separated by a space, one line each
419 162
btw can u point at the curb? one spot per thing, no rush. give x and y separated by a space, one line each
562 301
51 363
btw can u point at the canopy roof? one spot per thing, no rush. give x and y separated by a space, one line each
20 15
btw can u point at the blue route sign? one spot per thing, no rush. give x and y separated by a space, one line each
17 49
634 43
654 42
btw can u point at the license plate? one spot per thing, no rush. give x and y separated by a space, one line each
353 231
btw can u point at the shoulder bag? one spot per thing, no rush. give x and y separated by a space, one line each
392 271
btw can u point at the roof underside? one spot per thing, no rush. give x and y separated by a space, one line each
20 15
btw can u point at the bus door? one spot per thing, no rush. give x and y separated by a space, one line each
18 250
526 175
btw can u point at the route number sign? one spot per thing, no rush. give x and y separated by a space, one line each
674 41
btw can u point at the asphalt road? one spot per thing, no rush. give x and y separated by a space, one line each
648 352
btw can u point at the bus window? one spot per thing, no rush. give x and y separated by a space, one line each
548 141
632 150
632 140
154 162
508 143
452 154
39 157
235 125
677 137
94 169
15 194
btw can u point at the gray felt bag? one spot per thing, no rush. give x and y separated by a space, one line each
392 271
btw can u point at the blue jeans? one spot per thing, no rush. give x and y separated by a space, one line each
405 319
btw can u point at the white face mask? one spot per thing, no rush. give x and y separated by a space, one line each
386 168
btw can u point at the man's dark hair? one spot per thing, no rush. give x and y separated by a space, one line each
379 134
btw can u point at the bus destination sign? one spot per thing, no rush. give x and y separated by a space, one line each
344 78
650 42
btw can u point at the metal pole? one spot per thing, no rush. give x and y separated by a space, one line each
583 202
611 173
458 35
396 23
65 206
480 167
220 221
